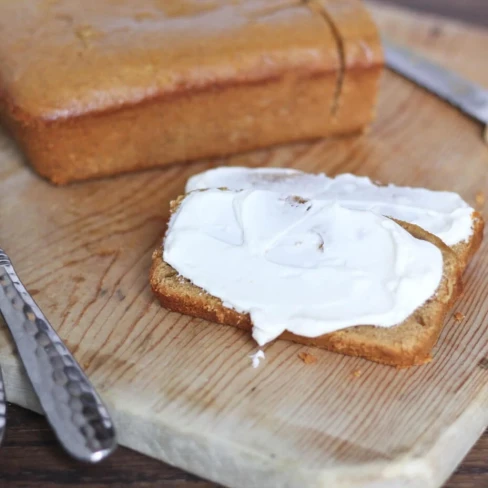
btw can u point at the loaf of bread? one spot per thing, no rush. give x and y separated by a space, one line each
407 344
97 88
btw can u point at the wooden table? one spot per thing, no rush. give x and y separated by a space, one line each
31 458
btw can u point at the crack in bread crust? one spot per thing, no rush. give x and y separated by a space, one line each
317 8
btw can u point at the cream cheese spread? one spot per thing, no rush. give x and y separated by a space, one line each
307 266
444 214
256 358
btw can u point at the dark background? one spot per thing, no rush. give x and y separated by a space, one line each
31 458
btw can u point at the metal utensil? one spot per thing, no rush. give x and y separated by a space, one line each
469 97
3 408
77 415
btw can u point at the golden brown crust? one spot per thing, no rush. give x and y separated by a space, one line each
405 345
63 58
466 250
177 129
114 103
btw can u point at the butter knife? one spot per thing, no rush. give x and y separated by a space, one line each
76 413
469 97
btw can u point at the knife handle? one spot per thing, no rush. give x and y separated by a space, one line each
76 413
3 408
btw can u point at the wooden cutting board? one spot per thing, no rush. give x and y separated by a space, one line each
183 390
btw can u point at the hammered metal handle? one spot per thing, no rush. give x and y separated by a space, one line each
72 406
3 408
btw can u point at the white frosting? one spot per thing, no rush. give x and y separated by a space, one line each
256 358
310 267
444 214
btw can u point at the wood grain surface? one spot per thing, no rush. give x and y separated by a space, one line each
30 457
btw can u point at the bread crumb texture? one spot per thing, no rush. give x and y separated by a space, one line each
459 317
307 358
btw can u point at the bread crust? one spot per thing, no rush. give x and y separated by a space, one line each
407 344
176 128
466 250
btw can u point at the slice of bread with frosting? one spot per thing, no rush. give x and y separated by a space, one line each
406 344
444 214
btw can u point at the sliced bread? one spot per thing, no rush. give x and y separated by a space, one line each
452 219
407 344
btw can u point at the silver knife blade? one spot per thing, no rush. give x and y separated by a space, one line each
469 97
